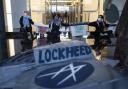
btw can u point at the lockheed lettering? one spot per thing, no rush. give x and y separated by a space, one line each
63 53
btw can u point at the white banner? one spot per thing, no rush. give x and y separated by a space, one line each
41 28
63 51
79 30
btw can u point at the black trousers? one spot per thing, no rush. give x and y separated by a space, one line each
26 31
97 44
27 42
52 38
101 41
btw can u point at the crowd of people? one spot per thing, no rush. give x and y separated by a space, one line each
53 34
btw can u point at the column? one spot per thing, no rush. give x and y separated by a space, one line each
3 48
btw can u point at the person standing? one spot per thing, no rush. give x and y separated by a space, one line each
54 29
26 23
99 32
99 25
26 28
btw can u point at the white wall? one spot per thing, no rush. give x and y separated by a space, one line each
18 6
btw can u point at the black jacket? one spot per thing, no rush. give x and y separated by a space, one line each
99 26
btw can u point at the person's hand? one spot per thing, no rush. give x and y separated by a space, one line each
21 29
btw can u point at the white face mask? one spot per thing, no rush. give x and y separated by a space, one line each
99 19
25 14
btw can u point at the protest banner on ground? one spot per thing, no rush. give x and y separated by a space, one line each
41 28
63 51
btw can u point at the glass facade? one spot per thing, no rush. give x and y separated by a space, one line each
38 10
78 10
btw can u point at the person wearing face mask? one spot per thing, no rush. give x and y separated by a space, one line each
99 25
99 33
53 33
26 28
54 30
26 23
